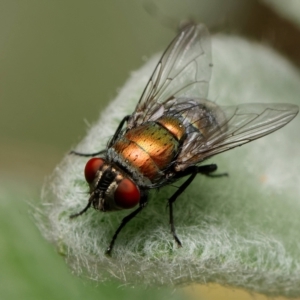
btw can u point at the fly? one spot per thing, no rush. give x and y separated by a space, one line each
172 130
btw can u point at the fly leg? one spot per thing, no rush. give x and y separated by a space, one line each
116 135
173 199
88 154
92 197
124 222
207 170
192 172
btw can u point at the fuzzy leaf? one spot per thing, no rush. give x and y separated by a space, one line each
241 231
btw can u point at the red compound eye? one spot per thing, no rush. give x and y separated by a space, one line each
91 168
127 194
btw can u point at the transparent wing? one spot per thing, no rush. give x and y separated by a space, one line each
233 126
183 70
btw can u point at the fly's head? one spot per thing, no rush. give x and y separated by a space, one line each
110 189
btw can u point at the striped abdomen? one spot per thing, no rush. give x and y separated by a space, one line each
151 147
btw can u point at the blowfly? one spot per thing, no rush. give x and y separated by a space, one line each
172 130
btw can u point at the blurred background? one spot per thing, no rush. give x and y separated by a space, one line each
61 62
